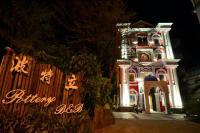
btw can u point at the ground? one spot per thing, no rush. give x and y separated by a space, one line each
150 123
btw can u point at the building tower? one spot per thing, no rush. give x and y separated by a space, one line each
146 55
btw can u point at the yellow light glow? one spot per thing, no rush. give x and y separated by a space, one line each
136 59
18 96
63 108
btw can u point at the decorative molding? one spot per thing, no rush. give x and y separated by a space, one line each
145 69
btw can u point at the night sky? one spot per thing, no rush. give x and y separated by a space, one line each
185 32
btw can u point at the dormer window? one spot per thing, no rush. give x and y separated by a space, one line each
142 39
159 56
156 39
156 42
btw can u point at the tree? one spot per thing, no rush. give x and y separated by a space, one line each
52 30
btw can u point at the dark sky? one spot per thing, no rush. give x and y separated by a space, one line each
185 32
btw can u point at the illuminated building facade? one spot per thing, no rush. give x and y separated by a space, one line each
146 55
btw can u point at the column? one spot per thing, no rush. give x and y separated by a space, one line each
147 105
170 79
124 87
176 91
157 98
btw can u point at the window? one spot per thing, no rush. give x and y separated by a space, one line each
159 56
161 77
142 41
142 38
132 77
156 42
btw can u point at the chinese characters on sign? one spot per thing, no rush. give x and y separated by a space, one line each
46 76
71 83
20 66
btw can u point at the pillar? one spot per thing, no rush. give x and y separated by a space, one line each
146 95
170 79
176 91
157 98
124 86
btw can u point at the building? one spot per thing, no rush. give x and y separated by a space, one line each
147 68
196 5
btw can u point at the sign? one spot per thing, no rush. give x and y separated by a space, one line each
20 66
18 96
46 76
71 83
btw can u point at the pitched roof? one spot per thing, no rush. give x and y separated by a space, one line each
141 24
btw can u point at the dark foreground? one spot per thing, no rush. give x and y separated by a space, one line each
151 126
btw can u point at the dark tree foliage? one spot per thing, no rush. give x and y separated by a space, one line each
78 36
53 31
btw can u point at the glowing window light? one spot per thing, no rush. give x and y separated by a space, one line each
135 42
151 42
136 59
155 59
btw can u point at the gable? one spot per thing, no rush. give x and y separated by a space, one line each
141 24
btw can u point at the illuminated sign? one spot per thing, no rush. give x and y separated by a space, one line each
70 83
18 96
46 76
63 108
20 66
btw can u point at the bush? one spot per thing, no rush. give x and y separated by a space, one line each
40 119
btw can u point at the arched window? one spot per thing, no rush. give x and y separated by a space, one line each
159 53
156 42
132 75
158 56
156 39
161 74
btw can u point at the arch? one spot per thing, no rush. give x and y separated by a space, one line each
133 71
148 85
157 100
160 72
156 36
159 51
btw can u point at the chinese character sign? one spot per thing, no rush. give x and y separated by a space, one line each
71 83
20 66
46 76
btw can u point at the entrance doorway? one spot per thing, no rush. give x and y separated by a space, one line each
157 100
